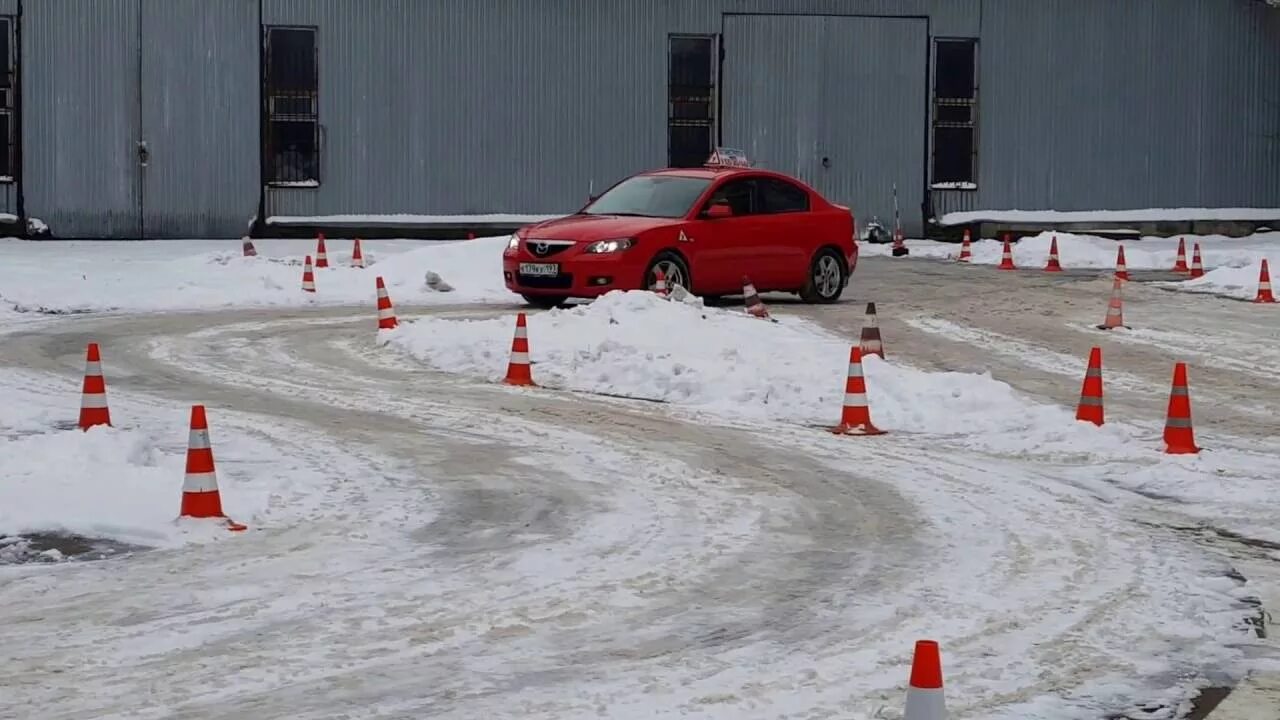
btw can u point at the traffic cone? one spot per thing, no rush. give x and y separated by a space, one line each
965 254
308 276
200 497
1122 270
247 247
870 343
1179 438
1053 265
93 396
519 370
1090 407
1180 265
659 282
471 236
357 255
386 314
1197 267
1264 285
755 306
925 697
899 244
855 418
322 257
1006 260
1115 308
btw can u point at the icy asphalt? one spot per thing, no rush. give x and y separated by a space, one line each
574 556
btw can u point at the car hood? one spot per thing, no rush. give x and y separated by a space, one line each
589 228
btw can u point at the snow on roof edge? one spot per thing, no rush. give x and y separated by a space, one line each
1142 215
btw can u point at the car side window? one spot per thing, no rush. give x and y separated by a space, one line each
777 196
739 194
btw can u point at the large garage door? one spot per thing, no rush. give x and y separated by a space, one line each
837 101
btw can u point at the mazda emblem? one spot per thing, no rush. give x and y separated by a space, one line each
540 248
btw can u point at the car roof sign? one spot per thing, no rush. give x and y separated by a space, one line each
727 157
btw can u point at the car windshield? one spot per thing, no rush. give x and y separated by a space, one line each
667 196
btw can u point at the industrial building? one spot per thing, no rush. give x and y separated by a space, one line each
193 118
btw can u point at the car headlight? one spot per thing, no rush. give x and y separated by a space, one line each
610 246
514 242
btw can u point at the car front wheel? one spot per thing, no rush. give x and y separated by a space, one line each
674 271
826 278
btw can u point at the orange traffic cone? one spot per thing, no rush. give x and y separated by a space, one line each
1090 407
1122 270
1197 267
755 306
519 369
855 419
1180 265
357 255
93 396
308 276
1264 285
965 254
246 246
870 343
200 497
899 244
1006 260
386 314
471 236
1053 265
1115 308
322 257
659 283
1179 438
925 697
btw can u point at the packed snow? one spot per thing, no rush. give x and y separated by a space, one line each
1239 281
144 276
1111 216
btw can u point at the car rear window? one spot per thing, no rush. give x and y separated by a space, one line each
669 196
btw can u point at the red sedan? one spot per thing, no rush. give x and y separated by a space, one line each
705 228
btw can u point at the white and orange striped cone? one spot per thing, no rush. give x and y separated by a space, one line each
520 369
926 699
322 256
1264 285
855 418
93 397
755 306
1053 264
200 497
386 313
1006 257
1180 264
870 342
1197 266
899 248
1122 270
965 252
1115 308
357 255
308 276
246 246
659 283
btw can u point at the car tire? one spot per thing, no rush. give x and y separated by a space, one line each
546 302
672 266
826 279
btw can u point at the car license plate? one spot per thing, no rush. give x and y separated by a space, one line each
540 269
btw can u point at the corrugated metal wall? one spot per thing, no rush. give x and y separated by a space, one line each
462 106
1088 104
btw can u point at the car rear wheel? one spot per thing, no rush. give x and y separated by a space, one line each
826 278
546 302
674 271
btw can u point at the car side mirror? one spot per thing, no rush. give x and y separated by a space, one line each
719 210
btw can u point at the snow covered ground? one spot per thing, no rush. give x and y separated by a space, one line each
75 276
1231 264
425 540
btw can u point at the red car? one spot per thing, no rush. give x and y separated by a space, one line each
705 228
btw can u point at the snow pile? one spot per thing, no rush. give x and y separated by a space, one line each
66 277
1092 252
637 345
1236 281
